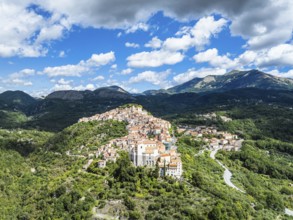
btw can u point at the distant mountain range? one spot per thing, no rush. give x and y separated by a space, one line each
63 108
229 81
213 83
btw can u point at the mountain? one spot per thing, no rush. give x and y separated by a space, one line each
232 80
67 95
110 92
15 100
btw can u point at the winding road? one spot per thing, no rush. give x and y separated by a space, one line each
227 174
289 212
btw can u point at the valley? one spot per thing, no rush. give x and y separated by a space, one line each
95 155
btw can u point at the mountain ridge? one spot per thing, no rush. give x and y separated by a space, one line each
232 80
110 92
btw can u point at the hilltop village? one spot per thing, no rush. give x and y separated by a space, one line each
149 142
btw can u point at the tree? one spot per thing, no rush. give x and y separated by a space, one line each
129 203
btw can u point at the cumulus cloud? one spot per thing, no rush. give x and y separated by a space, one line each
278 56
20 78
155 78
154 58
136 27
214 59
133 45
18 81
114 66
25 31
69 86
64 82
197 36
154 43
266 27
99 78
288 74
267 23
281 55
87 87
126 71
82 67
59 87
200 73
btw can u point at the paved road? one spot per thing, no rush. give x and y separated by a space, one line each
289 212
227 174
88 164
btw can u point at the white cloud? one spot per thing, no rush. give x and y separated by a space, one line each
200 73
59 87
266 27
50 33
18 81
19 78
288 74
247 58
137 27
154 43
87 87
214 59
101 59
278 56
126 71
25 72
99 78
154 58
263 23
25 32
62 54
133 45
82 67
175 44
197 36
281 55
156 78
66 70
114 66
64 82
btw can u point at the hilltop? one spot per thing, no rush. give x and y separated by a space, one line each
110 92
149 142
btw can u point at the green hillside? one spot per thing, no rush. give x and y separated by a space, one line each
41 180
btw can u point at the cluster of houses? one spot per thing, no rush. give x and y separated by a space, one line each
214 116
213 138
149 142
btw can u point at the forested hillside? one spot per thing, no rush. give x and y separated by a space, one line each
43 175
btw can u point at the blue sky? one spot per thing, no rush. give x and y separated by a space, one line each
139 45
